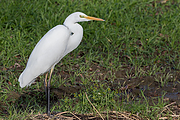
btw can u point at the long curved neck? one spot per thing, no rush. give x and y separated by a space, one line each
77 30
69 24
75 38
73 26
69 21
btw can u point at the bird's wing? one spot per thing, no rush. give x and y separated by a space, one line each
48 51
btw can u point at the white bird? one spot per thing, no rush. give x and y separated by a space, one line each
52 47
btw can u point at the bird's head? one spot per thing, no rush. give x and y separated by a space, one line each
80 17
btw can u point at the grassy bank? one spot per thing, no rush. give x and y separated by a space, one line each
130 63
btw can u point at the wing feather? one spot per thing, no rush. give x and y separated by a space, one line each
48 51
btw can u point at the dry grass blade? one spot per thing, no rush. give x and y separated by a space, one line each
166 108
68 112
124 115
93 106
170 104
56 116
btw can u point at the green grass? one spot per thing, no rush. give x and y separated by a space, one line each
140 38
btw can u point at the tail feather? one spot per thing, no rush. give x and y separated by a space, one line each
25 82
21 81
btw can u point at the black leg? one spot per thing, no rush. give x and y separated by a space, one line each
48 92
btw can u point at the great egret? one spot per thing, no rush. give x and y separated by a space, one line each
52 47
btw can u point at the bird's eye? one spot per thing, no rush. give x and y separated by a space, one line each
81 16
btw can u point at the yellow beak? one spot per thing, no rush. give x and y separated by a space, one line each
93 18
